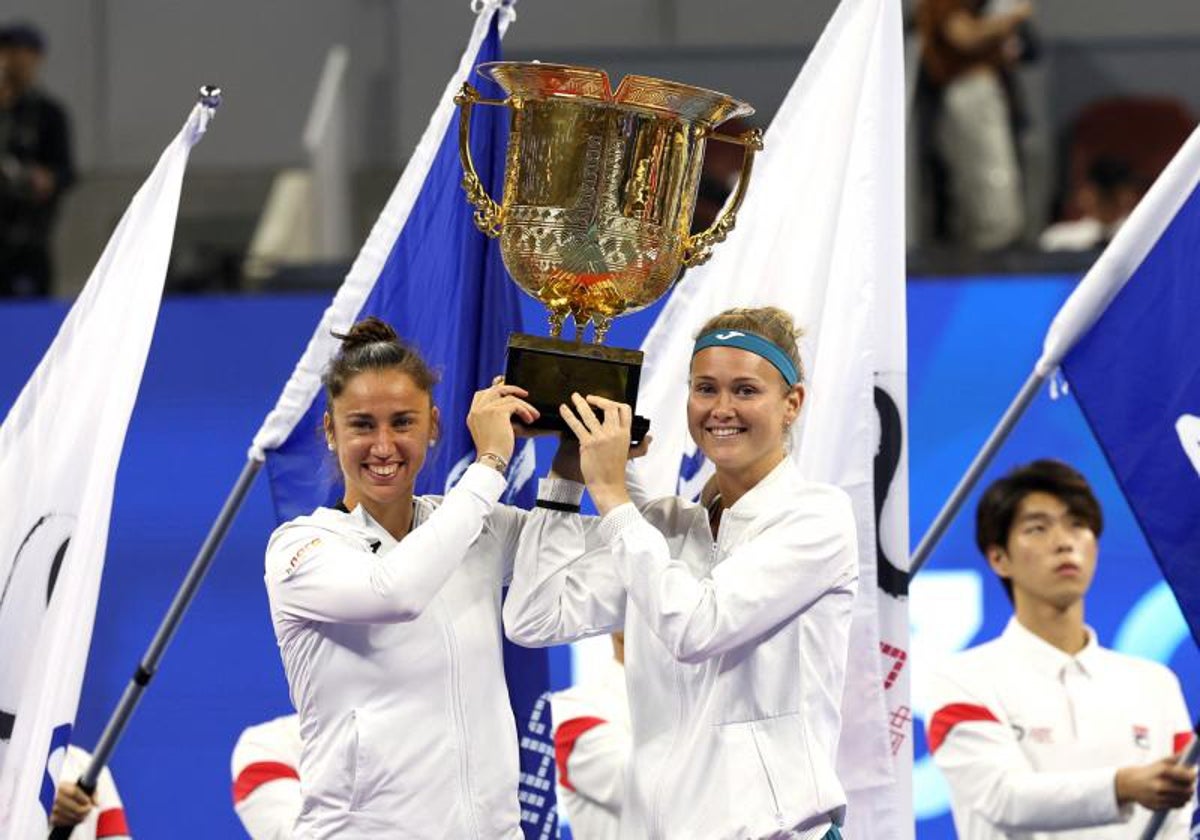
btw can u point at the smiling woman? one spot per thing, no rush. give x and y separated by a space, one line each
736 611
386 609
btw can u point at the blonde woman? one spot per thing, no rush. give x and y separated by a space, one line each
736 613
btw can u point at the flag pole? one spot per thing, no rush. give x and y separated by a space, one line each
166 630
974 472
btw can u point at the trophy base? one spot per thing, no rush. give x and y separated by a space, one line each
551 370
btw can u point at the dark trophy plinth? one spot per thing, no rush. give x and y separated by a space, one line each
551 370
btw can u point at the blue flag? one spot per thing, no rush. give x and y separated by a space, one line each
1136 375
428 271
444 289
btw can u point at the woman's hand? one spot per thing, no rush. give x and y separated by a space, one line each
491 417
603 447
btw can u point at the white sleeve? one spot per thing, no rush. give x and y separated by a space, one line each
595 759
269 812
504 524
974 746
800 556
111 823
635 484
564 584
266 784
320 579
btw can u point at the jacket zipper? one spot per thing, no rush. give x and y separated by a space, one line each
656 805
459 718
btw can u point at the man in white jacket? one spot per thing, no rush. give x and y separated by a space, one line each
1041 733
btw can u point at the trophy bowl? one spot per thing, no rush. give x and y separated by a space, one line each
599 190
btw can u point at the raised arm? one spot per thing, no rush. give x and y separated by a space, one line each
320 576
564 586
795 558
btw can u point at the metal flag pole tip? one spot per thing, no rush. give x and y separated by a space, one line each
210 96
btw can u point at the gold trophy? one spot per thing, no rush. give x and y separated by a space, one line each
599 189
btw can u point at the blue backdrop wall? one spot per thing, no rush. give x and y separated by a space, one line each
215 369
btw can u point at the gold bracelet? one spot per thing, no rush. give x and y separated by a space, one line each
493 460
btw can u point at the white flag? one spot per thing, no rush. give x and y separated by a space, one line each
59 448
821 234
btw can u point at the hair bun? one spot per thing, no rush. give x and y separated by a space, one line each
367 331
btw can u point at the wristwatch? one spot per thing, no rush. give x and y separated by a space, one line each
491 459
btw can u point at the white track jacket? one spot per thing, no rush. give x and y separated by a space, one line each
1030 738
393 656
735 650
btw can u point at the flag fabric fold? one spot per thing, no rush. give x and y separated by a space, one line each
1129 344
821 235
59 449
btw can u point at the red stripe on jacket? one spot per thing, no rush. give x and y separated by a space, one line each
1182 739
948 717
111 823
259 773
564 742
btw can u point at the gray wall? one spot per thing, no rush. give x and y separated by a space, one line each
128 68
128 71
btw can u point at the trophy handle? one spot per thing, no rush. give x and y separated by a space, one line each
489 216
697 249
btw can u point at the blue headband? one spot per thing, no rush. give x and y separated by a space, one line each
752 343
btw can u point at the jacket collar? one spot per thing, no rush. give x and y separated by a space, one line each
766 494
371 532
1045 657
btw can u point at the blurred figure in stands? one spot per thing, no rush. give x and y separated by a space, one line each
35 164
1106 199
968 49
592 742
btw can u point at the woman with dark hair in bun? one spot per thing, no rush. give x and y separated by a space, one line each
736 611
386 608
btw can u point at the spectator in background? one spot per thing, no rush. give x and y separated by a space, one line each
35 164
592 742
100 816
1105 199
266 778
967 51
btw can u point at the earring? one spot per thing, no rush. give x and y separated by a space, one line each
329 443
433 443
